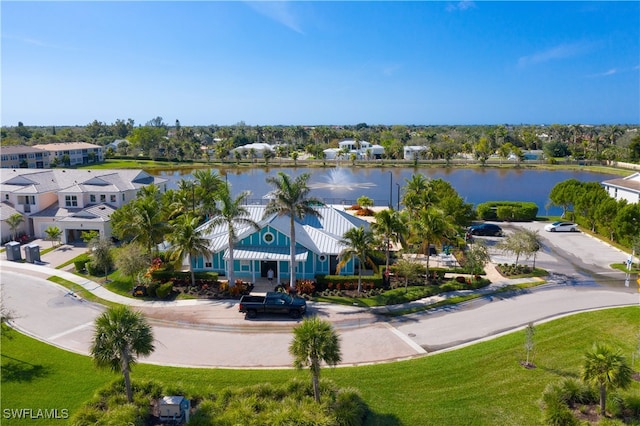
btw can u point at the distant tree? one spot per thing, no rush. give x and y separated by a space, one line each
315 341
482 150
607 369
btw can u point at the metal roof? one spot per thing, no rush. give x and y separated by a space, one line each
265 253
321 235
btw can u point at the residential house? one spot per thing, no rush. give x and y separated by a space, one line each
24 157
75 153
256 150
627 188
256 251
413 152
361 149
72 200
6 233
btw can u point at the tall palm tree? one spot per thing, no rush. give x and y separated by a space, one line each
606 368
429 227
232 213
14 221
121 336
291 198
359 245
187 241
315 341
390 227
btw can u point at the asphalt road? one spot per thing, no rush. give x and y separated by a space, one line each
214 334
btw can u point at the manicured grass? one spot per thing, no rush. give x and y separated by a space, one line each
482 384
86 295
635 268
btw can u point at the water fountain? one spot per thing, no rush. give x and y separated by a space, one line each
341 179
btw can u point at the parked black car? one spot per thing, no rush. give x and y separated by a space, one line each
486 229
273 303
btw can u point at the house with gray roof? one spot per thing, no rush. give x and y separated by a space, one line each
627 188
72 200
256 251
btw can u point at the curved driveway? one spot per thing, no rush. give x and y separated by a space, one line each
214 334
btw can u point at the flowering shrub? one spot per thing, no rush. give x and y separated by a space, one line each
156 264
306 286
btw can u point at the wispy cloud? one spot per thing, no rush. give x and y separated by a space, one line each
279 11
614 71
36 42
461 6
560 51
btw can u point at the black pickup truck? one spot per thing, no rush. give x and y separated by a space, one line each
273 303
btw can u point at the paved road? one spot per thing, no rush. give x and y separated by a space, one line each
200 333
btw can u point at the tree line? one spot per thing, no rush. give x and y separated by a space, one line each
589 204
159 140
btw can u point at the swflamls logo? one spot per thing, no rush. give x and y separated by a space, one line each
35 413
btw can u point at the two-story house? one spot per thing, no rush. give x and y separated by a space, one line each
72 200
73 153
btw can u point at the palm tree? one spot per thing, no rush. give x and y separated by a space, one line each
141 220
232 213
14 221
121 336
187 241
359 243
429 227
389 226
418 193
290 198
315 341
606 368
53 234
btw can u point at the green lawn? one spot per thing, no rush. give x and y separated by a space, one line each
482 384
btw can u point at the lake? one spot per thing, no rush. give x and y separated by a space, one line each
343 185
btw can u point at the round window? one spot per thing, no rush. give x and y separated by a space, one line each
322 258
268 238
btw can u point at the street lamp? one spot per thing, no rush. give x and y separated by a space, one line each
390 189
398 185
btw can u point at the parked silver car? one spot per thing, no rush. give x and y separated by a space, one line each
561 227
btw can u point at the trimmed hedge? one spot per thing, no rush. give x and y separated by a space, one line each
511 211
324 280
165 276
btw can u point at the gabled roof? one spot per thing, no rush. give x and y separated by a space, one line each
37 181
630 183
7 211
321 235
95 213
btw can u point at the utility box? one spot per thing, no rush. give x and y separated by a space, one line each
32 253
13 251
174 409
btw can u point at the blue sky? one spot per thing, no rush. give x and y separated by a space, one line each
309 63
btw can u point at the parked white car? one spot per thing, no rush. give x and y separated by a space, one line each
561 227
